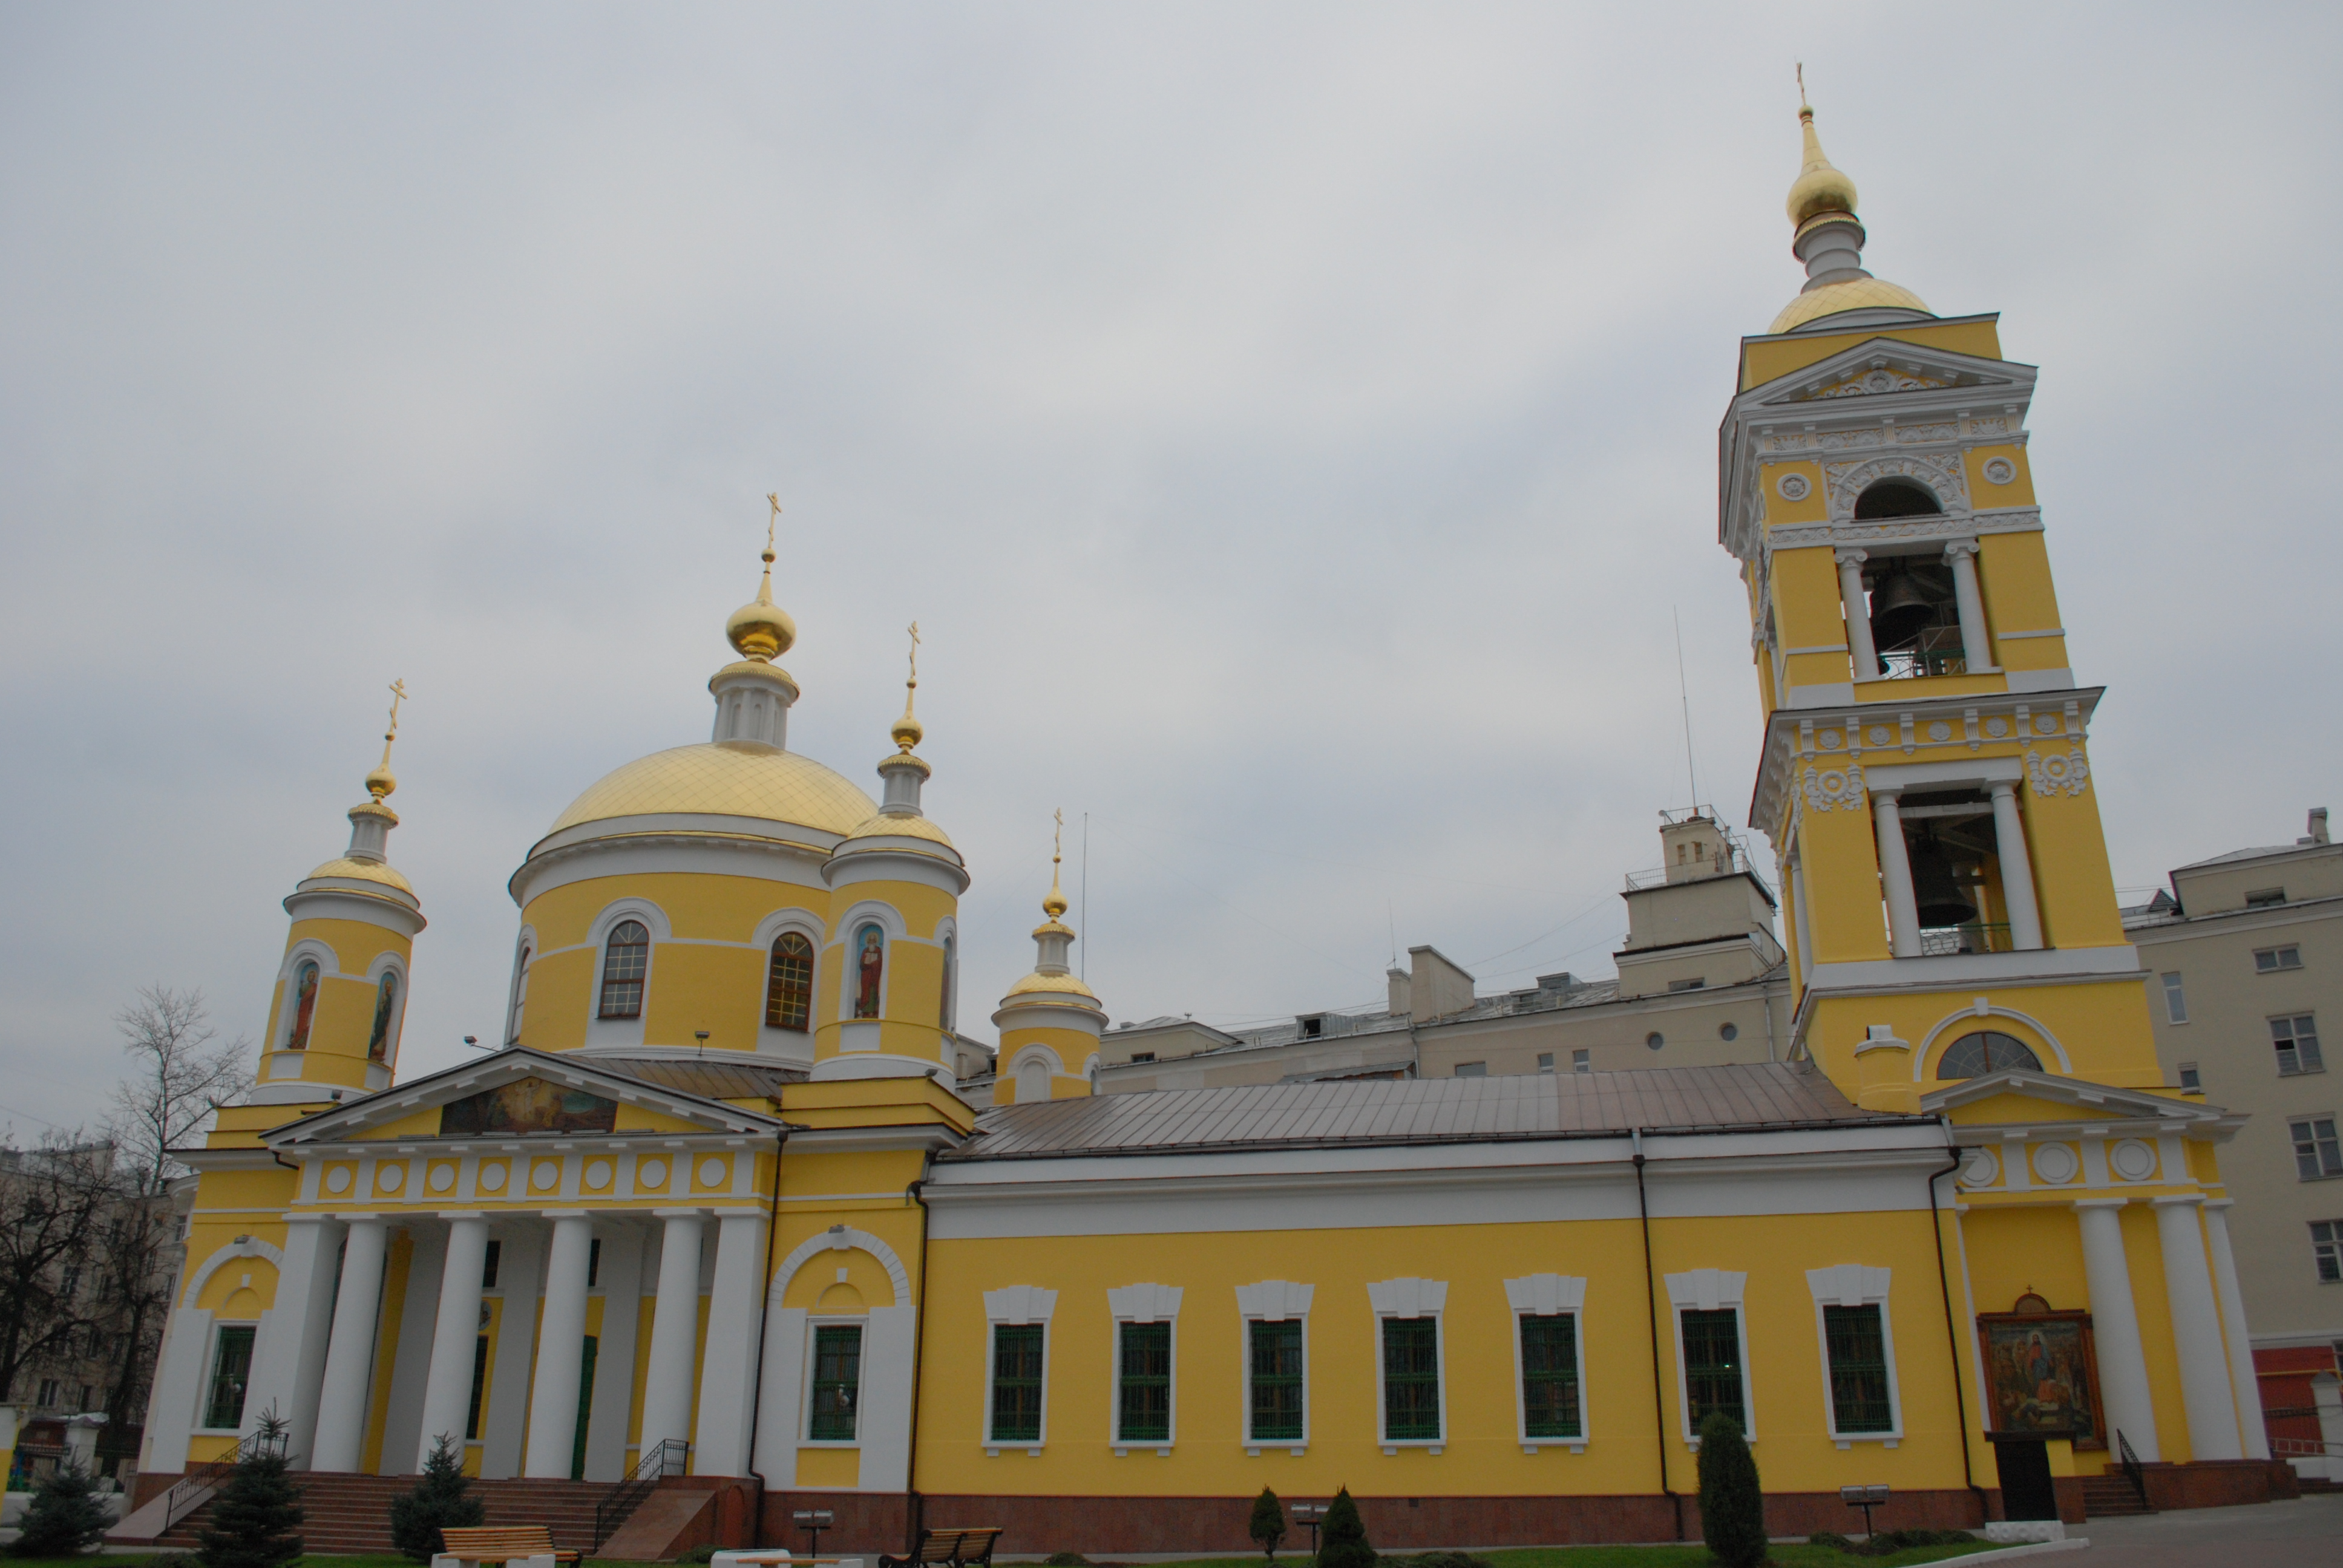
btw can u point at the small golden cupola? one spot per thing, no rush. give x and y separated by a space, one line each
753 696
1828 239
1050 1022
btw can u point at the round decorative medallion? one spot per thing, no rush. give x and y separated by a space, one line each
1999 470
712 1172
1831 739
1793 487
390 1178
338 1179
545 1175
1983 1169
598 1173
2056 1163
2046 724
1940 730
492 1178
1879 735
651 1174
442 1177
1996 728
2133 1160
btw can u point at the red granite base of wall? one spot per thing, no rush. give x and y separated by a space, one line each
146 1487
879 1521
2217 1482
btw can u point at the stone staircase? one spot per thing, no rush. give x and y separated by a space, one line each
2111 1495
351 1514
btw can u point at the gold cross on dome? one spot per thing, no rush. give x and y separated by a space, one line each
772 499
915 653
1058 838
398 696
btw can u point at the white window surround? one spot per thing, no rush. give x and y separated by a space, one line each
772 930
891 932
815 1322
605 1032
1411 1298
1273 1302
1546 1296
328 967
388 964
1977 1016
210 1369
1142 1303
1707 1290
1017 1305
1855 1285
517 996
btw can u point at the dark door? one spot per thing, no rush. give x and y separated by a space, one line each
586 1408
2026 1489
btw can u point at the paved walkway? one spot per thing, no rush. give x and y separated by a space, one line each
2305 1533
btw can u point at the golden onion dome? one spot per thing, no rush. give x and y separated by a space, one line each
904 827
1819 187
724 779
1051 985
349 870
761 629
1855 294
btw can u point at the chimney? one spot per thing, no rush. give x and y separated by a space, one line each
1437 987
2318 825
1396 980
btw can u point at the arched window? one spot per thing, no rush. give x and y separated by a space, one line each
1032 1082
1975 1055
519 996
870 968
944 1004
386 1009
305 1005
625 961
1896 498
789 983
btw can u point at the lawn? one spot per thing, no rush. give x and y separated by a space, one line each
1785 1556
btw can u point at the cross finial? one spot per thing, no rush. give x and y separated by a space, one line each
914 681
398 696
772 499
1801 86
1058 838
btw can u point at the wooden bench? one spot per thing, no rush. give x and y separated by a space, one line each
951 1548
528 1544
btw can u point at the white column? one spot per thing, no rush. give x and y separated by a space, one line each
2115 1325
288 1363
454 1337
674 1331
2016 868
1858 614
349 1353
1977 648
1798 912
560 1343
735 1316
2197 1332
612 1400
2243 1381
1896 876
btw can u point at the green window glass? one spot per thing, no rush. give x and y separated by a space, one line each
1143 1388
1016 1382
837 1382
1550 1375
1858 1368
231 1371
1712 1354
1412 1378
1276 1350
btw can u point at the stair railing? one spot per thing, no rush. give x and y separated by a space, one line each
664 1457
2131 1470
188 1492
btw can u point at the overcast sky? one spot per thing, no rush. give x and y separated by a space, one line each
1292 427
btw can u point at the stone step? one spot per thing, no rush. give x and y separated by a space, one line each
2111 1496
351 1514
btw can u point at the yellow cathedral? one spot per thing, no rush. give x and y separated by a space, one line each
715 1236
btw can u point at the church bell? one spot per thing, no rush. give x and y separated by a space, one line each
1942 900
1898 611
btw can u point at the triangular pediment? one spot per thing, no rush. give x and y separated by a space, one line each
1881 365
2019 1097
519 1093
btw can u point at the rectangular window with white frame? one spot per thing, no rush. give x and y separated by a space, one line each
1276 1318
2176 999
2294 1038
2273 961
2189 1076
2327 1249
2318 1153
834 1388
1016 1388
1858 1353
1549 1359
231 1371
1143 1409
1409 1389
1712 1349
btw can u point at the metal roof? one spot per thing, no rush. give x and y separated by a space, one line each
1754 1097
708 1076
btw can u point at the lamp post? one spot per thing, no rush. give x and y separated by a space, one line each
1866 1498
813 1522
1310 1516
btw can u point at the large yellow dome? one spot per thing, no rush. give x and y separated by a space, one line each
721 779
1855 294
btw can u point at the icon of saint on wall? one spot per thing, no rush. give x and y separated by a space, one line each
305 1005
871 946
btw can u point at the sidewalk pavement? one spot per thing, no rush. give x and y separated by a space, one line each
2304 1533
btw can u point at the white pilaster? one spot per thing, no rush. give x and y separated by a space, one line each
288 1361
520 1259
674 1331
735 1317
2197 1332
1799 913
2016 868
781 1403
455 1336
350 1351
1976 646
1896 876
2242 1379
2123 1366
560 1343
887 1356
1858 614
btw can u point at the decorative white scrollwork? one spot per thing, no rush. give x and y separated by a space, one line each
1828 788
1875 380
1999 470
1939 471
1793 487
2053 774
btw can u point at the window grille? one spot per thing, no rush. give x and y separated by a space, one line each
1858 1368
1277 1374
1412 1378
1143 1392
231 1371
837 1382
1712 1353
625 961
1987 1051
788 984
1550 1375
1016 1382
2296 1038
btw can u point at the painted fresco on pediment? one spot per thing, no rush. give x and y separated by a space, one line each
530 1105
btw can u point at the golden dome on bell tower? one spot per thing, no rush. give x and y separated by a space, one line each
761 629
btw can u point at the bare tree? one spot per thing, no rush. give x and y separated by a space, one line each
56 1201
180 1080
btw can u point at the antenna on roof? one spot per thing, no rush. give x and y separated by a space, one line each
1392 912
1684 693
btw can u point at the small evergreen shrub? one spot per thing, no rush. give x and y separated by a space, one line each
1731 1503
1267 1525
1342 1538
65 1518
441 1497
256 1509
